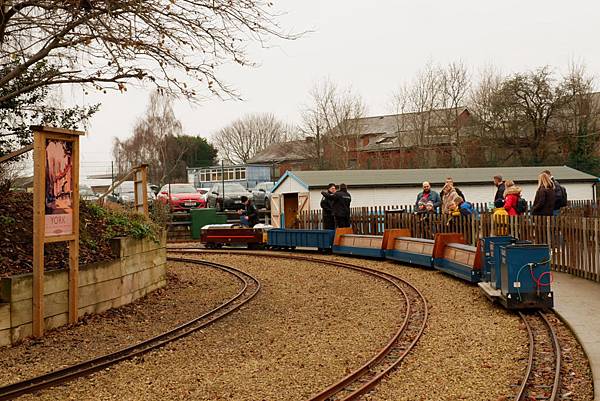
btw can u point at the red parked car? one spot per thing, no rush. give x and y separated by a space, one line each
181 197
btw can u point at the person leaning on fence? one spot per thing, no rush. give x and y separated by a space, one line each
543 204
450 180
512 196
448 200
327 208
500 218
500 188
428 195
340 205
249 216
560 194
425 210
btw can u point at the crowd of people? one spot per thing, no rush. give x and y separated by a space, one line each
550 197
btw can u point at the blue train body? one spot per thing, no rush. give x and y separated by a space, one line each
489 273
525 276
415 251
286 238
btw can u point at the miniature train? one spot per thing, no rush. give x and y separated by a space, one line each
515 273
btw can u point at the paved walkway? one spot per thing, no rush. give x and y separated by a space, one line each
578 302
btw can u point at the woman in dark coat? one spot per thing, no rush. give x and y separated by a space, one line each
543 204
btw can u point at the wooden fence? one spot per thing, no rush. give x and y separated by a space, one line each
574 240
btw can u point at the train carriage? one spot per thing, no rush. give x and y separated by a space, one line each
218 235
280 238
372 246
451 255
417 251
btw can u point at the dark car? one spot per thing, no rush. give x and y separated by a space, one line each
181 197
262 194
233 193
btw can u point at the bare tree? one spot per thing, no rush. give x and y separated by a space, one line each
151 142
108 43
455 84
244 138
333 119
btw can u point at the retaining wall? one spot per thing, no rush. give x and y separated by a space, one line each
139 268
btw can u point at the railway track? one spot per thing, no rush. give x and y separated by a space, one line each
542 377
250 287
364 379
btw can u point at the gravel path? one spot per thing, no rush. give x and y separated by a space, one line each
191 290
299 335
310 325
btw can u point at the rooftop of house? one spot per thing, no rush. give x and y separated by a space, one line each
414 177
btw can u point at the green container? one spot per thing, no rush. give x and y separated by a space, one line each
221 218
203 217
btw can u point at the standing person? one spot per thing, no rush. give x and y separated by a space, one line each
341 205
560 193
448 198
428 195
345 199
327 208
248 216
512 194
543 204
450 180
501 187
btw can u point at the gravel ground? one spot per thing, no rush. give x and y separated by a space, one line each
297 337
191 290
310 325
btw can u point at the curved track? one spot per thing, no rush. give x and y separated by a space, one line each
250 287
365 378
542 377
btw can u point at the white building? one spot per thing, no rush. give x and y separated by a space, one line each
298 191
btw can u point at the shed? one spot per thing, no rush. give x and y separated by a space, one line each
298 191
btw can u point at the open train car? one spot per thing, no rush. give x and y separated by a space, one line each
372 246
218 235
416 251
281 238
452 256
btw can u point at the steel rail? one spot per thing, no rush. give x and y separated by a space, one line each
525 384
366 369
250 288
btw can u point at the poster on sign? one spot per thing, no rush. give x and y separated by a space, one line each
59 188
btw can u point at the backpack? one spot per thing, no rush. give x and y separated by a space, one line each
521 206
468 208
560 196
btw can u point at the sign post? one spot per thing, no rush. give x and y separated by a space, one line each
55 211
140 189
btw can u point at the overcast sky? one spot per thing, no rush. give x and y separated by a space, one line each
373 46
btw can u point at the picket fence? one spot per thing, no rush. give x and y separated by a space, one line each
573 238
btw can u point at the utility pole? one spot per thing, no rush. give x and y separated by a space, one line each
223 182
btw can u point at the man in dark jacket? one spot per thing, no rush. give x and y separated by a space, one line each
499 183
560 194
341 206
249 216
428 195
327 208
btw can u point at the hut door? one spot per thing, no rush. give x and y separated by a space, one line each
303 207
290 210
276 210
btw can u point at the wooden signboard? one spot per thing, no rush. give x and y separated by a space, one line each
56 210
